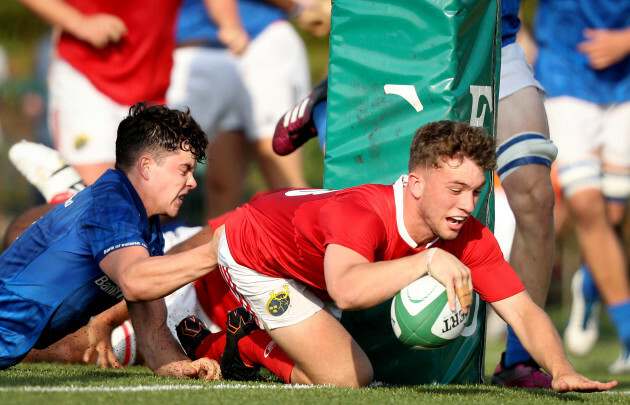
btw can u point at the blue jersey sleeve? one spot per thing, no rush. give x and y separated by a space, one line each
111 227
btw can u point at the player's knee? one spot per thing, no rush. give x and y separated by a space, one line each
355 375
524 149
578 174
588 207
362 377
533 197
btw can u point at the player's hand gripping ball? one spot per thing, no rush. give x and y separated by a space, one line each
421 317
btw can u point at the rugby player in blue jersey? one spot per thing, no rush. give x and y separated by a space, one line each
105 244
584 64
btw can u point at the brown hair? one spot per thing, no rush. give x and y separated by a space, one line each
157 130
437 141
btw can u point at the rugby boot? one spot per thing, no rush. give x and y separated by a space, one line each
523 375
297 125
240 323
191 332
45 169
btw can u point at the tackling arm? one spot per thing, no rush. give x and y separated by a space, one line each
144 278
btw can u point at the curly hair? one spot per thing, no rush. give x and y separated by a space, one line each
437 141
157 130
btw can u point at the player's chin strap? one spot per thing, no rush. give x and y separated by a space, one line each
526 148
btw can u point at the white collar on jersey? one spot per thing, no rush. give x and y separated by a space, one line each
398 201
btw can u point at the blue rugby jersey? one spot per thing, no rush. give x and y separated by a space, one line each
561 68
194 24
50 279
510 23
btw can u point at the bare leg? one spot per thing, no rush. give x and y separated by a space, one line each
228 156
531 196
600 245
324 352
280 171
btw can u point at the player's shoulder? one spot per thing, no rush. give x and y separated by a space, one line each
474 229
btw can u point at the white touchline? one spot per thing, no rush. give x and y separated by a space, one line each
173 387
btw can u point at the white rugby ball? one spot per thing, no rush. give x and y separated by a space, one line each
421 317
124 343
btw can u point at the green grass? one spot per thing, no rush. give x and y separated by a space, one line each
43 384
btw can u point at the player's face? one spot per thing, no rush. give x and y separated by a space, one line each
173 180
450 195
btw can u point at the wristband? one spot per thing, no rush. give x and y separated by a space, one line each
427 261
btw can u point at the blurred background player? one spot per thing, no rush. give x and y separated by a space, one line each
109 55
206 80
583 64
275 70
206 77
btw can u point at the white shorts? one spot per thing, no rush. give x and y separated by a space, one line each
516 73
274 302
183 303
276 73
178 235
580 128
206 81
504 222
83 121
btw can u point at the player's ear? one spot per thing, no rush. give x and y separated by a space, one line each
145 165
416 182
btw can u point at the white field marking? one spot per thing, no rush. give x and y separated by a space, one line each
74 388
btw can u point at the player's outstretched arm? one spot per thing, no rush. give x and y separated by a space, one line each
162 353
542 341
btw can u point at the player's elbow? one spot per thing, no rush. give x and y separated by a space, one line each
345 298
135 290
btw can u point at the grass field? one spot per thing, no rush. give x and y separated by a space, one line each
44 384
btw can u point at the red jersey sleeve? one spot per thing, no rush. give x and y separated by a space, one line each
353 226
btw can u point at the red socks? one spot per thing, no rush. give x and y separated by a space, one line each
257 348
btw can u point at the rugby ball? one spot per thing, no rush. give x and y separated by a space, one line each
421 317
124 343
